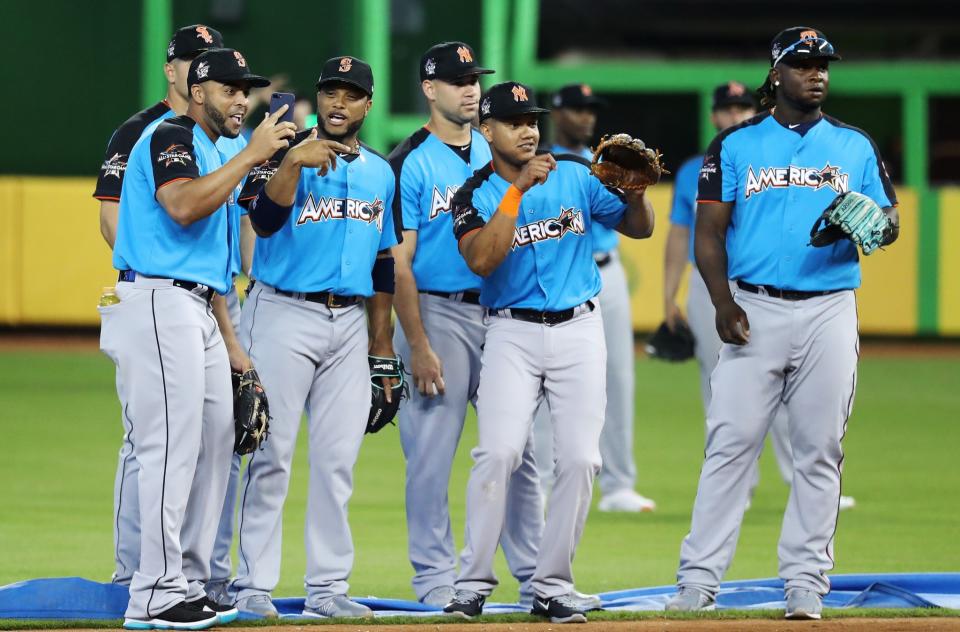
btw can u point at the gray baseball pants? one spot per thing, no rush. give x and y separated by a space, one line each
616 442
521 363
173 379
430 430
307 355
803 354
702 318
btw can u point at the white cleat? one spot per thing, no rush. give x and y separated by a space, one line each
803 604
626 500
689 599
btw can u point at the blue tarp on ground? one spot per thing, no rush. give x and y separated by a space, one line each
77 598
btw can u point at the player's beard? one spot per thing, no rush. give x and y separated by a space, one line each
219 121
352 129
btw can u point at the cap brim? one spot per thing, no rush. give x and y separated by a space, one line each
791 58
742 100
529 110
470 72
344 80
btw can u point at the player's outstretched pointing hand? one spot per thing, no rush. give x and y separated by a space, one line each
322 154
535 172
270 136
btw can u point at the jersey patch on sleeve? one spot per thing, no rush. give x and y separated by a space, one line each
466 217
172 153
114 165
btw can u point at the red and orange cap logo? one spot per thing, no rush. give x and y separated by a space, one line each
240 60
519 93
204 34
465 56
345 64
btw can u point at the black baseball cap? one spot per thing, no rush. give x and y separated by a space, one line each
732 93
801 42
577 95
193 39
450 60
508 99
224 65
348 70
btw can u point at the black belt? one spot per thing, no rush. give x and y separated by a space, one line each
203 291
467 296
604 260
329 299
787 295
543 318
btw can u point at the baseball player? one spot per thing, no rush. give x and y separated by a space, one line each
174 250
442 329
732 104
184 46
574 117
523 222
790 328
322 212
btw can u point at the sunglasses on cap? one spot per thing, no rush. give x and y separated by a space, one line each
818 46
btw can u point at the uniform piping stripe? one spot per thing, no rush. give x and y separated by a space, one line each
246 487
172 181
166 449
107 198
843 433
123 480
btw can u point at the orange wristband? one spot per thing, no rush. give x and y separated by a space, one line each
510 204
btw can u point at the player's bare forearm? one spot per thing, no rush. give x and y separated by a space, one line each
109 216
710 248
674 261
406 297
248 238
378 322
239 361
282 186
485 249
188 201
638 220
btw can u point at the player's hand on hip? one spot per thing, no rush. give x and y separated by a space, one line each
270 136
732 323
535 172
320 154
427 371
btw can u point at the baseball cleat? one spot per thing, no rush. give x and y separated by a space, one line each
586 602
439 596
218 592
689 599
180 616
258 605
225 614
847 502
803 604
338 606
626 500
562 609
466 604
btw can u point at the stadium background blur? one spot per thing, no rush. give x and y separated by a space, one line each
75 71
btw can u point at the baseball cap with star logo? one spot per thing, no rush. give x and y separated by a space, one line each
224 65
191 40
509 99
450 60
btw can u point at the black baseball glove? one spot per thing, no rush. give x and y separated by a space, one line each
674 346
382 412
251 412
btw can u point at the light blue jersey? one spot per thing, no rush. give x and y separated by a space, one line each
550 266
604 239
338 224
429 172
149 241
779 182
683 211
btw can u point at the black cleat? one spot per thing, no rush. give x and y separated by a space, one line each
466 604
225 614
562 609
179 616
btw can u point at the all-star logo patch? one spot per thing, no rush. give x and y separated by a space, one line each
203 69
709 167
570 220
175 154
114 166
792 176
264 171
329 208
430 67
440 203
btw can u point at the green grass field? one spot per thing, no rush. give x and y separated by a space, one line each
60 422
